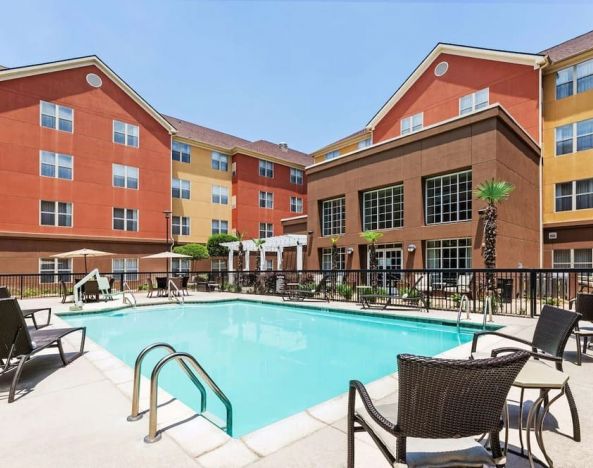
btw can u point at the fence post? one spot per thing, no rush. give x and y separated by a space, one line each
532 292
121 282
21 286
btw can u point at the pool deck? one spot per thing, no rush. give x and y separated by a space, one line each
75 416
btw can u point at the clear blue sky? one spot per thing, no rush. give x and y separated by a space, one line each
304 72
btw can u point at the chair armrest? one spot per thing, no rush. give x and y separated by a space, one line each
545 357
28 312
503 335
358 387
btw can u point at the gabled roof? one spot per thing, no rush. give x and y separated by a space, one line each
535 60
272 149
358 133
207 135
570 48
79 62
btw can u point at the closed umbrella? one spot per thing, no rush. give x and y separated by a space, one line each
82 253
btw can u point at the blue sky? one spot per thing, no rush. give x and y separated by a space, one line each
303 72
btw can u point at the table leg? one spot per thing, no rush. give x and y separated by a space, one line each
531 420
540 427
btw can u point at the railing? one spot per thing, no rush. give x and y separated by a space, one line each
174 293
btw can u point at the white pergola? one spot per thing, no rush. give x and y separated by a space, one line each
275 244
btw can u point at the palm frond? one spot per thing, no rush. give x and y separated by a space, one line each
494 191
371 236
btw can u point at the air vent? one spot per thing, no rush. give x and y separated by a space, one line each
552 235
441 69
94 80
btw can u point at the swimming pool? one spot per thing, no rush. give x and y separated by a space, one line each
271 360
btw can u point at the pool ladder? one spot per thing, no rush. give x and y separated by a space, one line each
181 358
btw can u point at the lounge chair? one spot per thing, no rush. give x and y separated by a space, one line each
18 343
301 294
65 292
438 399
463 285
414 297
28 313
550 336
583 305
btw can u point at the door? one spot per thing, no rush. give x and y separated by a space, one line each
389 259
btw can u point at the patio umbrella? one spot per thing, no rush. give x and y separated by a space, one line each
167 255
84 253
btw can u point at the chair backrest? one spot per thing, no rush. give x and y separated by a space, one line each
441 398
322 284
184 281
91 287
13 329
465 279
584 306
150 284
4 292
103 284
420 281
553 329
161 282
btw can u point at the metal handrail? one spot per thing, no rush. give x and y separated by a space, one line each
463 305
127 290
135 415
154 382
178 297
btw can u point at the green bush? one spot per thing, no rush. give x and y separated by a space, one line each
410 293
551 301
214 247
195 251
345 291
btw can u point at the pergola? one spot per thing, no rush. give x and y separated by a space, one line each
275 244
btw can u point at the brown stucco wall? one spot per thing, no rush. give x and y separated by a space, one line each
567 237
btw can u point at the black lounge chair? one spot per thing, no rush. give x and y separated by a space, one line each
551 334
415 297
18 344
300 294
438 399
583 305
28 313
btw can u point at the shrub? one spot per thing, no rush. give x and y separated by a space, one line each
345 291
214 247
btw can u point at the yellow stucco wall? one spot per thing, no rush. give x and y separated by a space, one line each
344 147
568 167
199 207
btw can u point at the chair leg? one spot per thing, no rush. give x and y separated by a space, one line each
579 357
15 379
576 426
585 344
62 355
350 429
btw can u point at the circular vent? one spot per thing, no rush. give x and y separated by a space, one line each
94 80
441 69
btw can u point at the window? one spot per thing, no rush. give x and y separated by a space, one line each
55 213
57 117
564 139
579 77
449 198
575 195
383 208
180 225
326 259
125 134
125 176
266 230
125 219
584 76
412 124
220 195
219 265
180 265
266 168
181 188
53 270
572 258
128 266
574 137
220 162
448 254
266 200
181 152
333 217
564 83
332 155
55 165
364 143
296 204
474 101
220 226
296 176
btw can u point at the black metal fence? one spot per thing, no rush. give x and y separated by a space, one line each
512 292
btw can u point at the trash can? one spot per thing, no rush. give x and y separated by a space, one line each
506 289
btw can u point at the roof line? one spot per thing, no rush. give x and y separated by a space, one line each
544 52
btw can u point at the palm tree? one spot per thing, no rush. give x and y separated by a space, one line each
372 237
334 260
240 251
259 245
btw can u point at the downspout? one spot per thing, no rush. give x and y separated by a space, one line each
540 174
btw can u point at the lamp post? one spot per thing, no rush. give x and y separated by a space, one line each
167 214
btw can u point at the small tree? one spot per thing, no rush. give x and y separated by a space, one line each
240 252
214 247
334 260
259 245
195 251
372 237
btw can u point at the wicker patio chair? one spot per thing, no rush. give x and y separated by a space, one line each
551 334
583 305
184 284
65 291
18 344
150 286
439 400
28 313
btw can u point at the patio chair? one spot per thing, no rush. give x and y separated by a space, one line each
28 313
65 291
301 294
463 285
184 284
583 305
554 327
18 343
177 290
151 288
161 284
438 399
91 290
414 296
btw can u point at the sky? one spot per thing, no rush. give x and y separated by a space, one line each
302 72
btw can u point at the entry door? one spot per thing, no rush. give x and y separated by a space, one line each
388 258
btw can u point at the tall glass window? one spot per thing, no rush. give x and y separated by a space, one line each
448 254
383 208
448 198
333 216
326 259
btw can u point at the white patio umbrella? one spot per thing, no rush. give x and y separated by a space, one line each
167 255
82 253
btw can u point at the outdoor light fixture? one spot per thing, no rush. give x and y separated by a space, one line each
411 248
349 250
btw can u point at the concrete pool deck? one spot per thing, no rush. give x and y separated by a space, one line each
76 415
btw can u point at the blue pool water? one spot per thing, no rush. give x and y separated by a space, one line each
272 361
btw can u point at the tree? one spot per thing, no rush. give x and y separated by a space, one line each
259 245
372 237
195 251
240 252
214 247
334 252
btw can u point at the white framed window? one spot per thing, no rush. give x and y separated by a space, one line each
448 198
269 264
180 225
474 101
572 258
332 155
446 254
266 168
181 152
127 266
55 213
266 230
333 216
266 200
125 219
181 265
220 226
296 204
181 188
364 143
56 116
219 161
56 165
383 208
412 124
218 265
126 134
326 258
125 176
53 270
577 136
296 176
220 195
574 195
578 77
